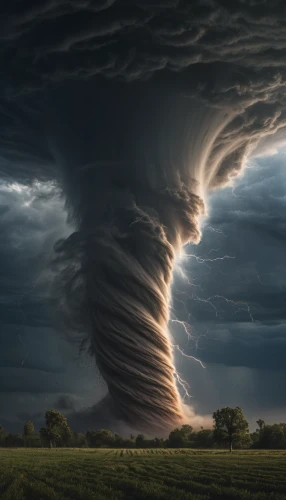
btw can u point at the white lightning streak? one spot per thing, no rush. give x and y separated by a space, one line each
236 196
209 301
213 250
201 260
188 356
183 384
258 277
215 230
138 219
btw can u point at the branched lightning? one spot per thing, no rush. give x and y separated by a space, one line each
201 260
209 300
30 289
213 250
259 279
215 230
243 306
229 301
176 346
183 384
185 326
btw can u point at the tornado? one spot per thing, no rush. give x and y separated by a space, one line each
137 110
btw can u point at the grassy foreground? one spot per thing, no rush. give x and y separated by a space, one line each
135 474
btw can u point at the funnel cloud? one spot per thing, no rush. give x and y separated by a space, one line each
137 110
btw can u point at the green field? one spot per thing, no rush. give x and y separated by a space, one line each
135 474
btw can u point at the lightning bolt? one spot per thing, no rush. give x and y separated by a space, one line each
258 277
185 326
30 289
181 382
215 230
188 356
138 219
213 250
243 306
209 301
201 260
236 196
185 386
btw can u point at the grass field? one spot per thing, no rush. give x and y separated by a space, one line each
135 474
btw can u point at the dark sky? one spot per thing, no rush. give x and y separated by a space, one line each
116 112
242 344
239 332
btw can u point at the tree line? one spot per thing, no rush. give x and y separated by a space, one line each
230 430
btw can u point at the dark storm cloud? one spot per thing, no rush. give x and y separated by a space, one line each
168 99
25 416
231 55
36 364
65 402
135 39
31 354
257 347
28 227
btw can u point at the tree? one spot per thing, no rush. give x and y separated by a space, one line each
79 440
179 438
2 436
261 424
66 436
44 437
242 439
140 441
272 437
118 440
205 438
101 438
35 441
128 443
57 429
28 428
187 431
283 427
159 442
254 436
230 425
28 431
14 440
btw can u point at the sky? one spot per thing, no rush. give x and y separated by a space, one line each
142 190
39 369
239 336
236 306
